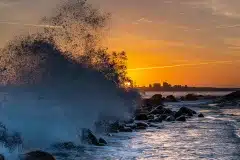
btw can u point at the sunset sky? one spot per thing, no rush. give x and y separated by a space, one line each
170 33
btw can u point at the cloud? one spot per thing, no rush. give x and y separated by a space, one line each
228 26
183 65
31 25
228 8
142 20
232 43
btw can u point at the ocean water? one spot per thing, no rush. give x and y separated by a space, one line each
215 137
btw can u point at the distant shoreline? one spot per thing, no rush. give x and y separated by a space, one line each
195 89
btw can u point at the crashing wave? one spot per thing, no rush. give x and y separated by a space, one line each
61 80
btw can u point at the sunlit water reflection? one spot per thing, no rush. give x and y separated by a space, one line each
211 138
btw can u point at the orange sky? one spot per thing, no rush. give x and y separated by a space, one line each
162 33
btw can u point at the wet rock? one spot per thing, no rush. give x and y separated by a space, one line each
154 101
163 117
2 157
167 111
171 98
141 117
150 117
181 118
191 97
157 110
232 96
89 137
38 155
184 111
102 141
170 118
157 99
201 115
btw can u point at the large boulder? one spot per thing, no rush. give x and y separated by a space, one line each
102 141
200 115
191 97
163 117
171 98
141 117
232 96
89 137
38 155
155 100
185 111
2 157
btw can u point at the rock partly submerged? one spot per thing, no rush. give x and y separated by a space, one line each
37 155
89 138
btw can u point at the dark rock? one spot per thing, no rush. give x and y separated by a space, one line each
170 98
103 141
163 117
2 157
170 118
190 114
187 111
141 116
232 96
167 111
38 155
157 110
181 118
155 100
201 115
89 137
150 117
191 97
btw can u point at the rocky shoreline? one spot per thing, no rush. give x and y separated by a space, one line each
151 113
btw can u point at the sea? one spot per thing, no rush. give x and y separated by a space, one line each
215 137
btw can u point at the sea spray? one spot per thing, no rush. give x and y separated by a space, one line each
59 80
